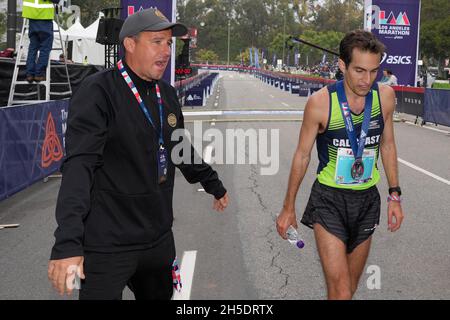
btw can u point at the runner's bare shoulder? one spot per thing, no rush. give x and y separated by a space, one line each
318 106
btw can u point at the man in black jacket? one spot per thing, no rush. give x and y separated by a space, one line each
114 208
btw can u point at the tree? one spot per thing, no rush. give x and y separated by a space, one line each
339 15
207 56
435 32
325 39
2 27
91 9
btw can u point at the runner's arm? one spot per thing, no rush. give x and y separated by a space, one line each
387 144
389 155
309 130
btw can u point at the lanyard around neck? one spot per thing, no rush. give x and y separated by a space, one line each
357 145
144 109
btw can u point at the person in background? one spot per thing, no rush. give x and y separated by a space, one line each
40 14
389 78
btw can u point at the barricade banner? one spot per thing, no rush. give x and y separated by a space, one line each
295 87
303 91
287 86
437 106
194 97
31 144
410 100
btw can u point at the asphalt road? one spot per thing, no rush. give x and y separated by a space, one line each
239 254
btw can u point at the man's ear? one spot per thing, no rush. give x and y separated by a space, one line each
129 44
342 66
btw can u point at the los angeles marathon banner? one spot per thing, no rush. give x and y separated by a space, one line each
168 8
396 23
31 144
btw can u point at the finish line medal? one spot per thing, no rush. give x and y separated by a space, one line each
357 144
357 170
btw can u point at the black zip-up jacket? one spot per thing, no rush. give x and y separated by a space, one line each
110 199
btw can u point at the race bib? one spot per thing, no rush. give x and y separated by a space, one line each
344 163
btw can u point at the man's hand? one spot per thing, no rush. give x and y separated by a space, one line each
62 273
286 218
394 211
221 204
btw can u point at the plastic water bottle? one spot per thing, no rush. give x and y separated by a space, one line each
293 238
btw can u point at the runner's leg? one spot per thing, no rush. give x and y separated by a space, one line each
333 256
356 262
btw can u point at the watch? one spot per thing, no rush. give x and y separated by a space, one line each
395 189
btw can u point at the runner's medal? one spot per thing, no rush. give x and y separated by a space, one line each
357 170
357 145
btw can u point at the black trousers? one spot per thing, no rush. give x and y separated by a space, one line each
147 272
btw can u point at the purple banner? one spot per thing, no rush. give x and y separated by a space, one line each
396 23
31 144
168 8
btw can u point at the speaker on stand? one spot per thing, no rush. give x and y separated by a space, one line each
108 35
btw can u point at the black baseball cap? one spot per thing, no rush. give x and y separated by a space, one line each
149 20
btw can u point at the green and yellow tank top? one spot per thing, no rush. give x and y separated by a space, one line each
335 137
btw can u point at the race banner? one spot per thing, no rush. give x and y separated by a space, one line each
31 144
396 23
168 8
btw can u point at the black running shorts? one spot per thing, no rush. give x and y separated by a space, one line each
350 215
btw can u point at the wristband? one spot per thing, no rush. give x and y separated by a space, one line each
393 198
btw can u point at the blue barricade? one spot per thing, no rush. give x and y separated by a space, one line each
31 144
303 91
194 97
437 106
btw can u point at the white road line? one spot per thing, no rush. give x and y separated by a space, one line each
208 154
187 275
424 171
202 113
271 96
285 104
13 225
434 129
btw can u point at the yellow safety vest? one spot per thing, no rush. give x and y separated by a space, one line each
38 9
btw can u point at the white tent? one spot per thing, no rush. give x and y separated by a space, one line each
84 44
94 51
76 31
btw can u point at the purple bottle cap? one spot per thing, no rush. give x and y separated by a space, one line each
300 244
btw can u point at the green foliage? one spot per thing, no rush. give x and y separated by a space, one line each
325 39
439 85
266 24
2 23
435 32
91 9
207 56
2 29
